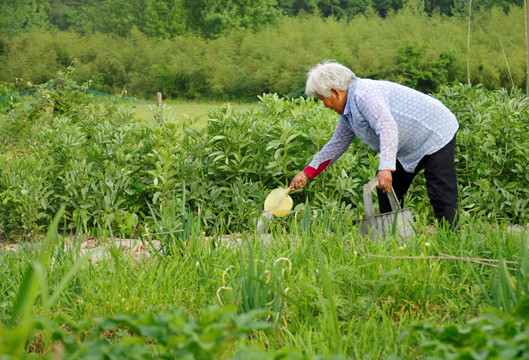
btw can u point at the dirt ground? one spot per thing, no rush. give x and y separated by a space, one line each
135 248
139 249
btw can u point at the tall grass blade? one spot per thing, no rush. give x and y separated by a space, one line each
34 275
27 294
481 283
51 235
306 221
66 279
522 283
506 287
328 292
377 288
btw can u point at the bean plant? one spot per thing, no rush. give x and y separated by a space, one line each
62 147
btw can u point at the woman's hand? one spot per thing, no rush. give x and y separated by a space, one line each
386 179
299 181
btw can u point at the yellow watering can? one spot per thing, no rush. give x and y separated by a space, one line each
278 202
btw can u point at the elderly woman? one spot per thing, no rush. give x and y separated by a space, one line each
410 130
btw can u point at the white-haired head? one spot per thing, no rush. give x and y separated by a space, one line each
327 75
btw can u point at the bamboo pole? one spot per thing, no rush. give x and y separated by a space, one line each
159 101
527 48
506 62
468 41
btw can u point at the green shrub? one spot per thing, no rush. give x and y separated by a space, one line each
171 335
491 151
413 70
108 169
495 335
502 332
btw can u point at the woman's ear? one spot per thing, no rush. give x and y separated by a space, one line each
338 94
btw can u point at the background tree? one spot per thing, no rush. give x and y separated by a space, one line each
163 19
208 18
68 14
383 7
342 8
443 6
460 7
17 16
294 7
113 16
337 8
213 18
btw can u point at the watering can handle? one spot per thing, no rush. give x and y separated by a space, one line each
368 200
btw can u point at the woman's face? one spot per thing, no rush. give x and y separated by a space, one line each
336 101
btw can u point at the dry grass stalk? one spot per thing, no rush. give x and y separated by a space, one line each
488 262
468 41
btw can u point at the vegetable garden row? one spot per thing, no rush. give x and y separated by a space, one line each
75 167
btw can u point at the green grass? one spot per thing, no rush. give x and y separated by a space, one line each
173 109
322 288
340 299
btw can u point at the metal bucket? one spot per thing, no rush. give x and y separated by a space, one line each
398 221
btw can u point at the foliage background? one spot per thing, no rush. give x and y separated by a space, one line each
210 19
412 44
111 170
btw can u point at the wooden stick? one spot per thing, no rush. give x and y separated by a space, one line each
527 48
159 101
488 262
468 41
506 62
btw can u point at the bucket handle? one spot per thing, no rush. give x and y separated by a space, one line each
368 200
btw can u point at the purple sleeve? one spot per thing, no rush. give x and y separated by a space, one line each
337 145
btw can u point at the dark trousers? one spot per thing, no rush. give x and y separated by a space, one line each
441 183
